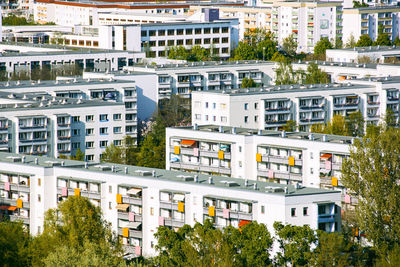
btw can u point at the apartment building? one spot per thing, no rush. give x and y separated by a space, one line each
183 79
17 58
375 54
205 29
124 93
307 21
137 200
367 20
271 108
47 125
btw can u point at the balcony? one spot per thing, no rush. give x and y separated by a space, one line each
16 218
132 233
83 193
281 175
174 222
132 200
63 125
125 216
17 187
326 218
232 214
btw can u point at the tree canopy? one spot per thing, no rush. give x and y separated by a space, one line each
364 40
289 45
321 46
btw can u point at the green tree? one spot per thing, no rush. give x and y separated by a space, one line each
79 155
289 45
371 173
390 119
290 126
321 46
113 154
286 75
178 52
248 83
351 42
383 39
357 4
295 243
396 41
266 49
389 258
336 126
355 124
315 75
244 51
338 43
364 40
14 245
332 250
75 222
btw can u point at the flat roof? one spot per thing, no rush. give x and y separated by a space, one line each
368 49
161 174
316 137
206 64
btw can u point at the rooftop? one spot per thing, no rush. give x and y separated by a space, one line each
368 49
206 64
315 137
174 176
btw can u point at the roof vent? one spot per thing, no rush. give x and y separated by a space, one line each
255 186
286 190
233 130
196 178
104 167
143 173
220 129
195 127
210 180
186 178
311 136
274 189
53 163
126 170
14 159
113 168
283 134
62 163
36 161
297 186
324 138
229 183
23 159
246 182
259 132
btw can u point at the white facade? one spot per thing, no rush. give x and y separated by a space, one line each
271 108
359 21
54 126
137 200
183 79
107 91
374 53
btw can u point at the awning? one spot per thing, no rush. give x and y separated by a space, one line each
188 142
134 191
179 197
326 156
134 225
243 223
123 207
11 208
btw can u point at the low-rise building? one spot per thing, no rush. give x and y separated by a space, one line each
371 54
137 200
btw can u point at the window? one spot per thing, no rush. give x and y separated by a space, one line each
161 43
89 157
256 118
110 205
39 182
225 40
207 41
311 171
206 104
293 212
39 198
246 106
76 119
179 32
171 32
117 129
76 132
197 41
151 211
262 209
223 119
90 131
89 118
214 105
305 211
152 33
206 118
189 41
179 42
103 117
189 31
76 145
90 144
117 117
246 119
197 31
224 50
207 30
214 118
161 33
144 33
215 30
215 40
171 42
197 116
103 143
110 189
255 105
104 130
225 29
117 142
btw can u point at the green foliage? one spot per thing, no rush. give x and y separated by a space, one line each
205 245
295 243
286 75
371 173
355 124
321 46
332 250
352 125
364 40
357 4
315 75
14 245
382 39
76 224
396 41
12 20
290 126
244 51
248 83
197 53
351 42
289 45
127 153
79 155
338 43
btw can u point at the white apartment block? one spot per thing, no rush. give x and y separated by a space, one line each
107 91
16 58
204 29
137 200
308 21
376 54
54 126
183 79
271 108
366 20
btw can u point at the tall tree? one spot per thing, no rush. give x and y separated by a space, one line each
355 124
337 126
289 45
371 173
315 75
351 41
244 51
364 40
295 243
332 250
248 83
14 245
266 49
321 46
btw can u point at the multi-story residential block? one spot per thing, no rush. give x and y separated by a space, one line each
137 200
204 29
307 21
183 79
368 20
46 125
25 57
271 108
108 91
375 54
